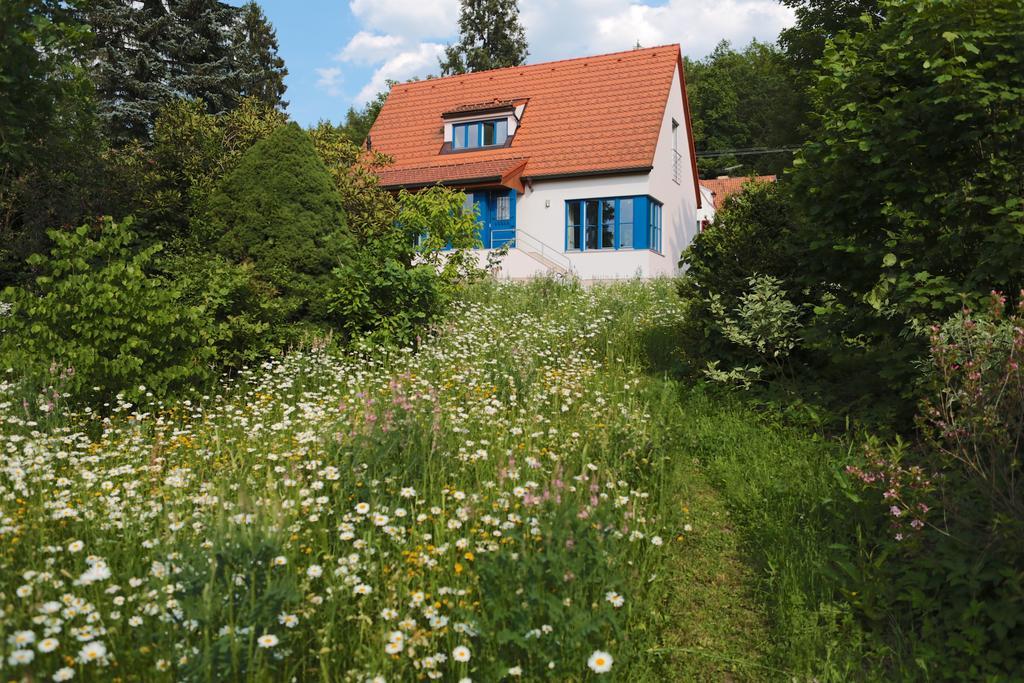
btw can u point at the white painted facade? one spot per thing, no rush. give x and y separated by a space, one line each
541 213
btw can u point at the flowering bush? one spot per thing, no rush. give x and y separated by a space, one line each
958 493
489 507
975 416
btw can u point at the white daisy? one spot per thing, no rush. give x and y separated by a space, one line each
600 662
48 644
90 652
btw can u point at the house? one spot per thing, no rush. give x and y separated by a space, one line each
706 212
582 166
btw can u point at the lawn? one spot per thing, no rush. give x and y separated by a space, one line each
526 495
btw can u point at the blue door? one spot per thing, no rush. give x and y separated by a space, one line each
499 219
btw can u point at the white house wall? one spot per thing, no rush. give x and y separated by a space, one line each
540 212
679 217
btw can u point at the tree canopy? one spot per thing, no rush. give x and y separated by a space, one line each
259 69
818 21
490 37
147 54
741 100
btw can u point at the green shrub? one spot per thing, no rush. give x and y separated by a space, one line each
387 298
404 273
953 507
910 190
166 183
96 318
279 209
245 315
765 325
749 235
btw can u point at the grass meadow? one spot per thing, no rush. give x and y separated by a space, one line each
526 495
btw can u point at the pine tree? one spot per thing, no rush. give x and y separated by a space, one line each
259 69
149 52
490 37
279 209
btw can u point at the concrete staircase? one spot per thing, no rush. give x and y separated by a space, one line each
553 261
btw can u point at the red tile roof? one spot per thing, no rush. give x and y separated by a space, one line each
586 115
722 187
463 172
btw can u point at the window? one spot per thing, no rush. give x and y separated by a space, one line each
601 224
625 223
469 206
590 218
494 132
503 209
655 226
478 134
574 219
607 224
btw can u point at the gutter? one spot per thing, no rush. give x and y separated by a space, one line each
585 174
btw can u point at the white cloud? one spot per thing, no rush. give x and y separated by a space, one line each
405 37
370 48
330 80
413 19
573 28
402 67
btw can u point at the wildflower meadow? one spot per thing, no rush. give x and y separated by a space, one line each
490 503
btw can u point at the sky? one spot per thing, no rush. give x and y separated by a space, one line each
340 53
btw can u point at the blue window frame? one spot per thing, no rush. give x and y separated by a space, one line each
625 216
655 226
478 134
613 223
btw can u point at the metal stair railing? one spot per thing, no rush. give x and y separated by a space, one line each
528 243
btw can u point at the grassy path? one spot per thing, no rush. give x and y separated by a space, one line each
716 628
712 625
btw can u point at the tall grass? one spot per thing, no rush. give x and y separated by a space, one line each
501 503
493 505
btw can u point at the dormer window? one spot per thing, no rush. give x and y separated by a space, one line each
476 134
485 125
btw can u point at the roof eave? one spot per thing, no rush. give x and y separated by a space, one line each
595 172
446 183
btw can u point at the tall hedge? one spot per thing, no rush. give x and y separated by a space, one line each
913 185
279 210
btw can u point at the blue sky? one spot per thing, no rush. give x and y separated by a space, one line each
339 53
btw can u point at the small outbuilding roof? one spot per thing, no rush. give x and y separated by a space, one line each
723 186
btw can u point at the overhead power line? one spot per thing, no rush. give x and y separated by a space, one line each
745 152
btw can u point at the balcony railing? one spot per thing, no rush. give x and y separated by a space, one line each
677 167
